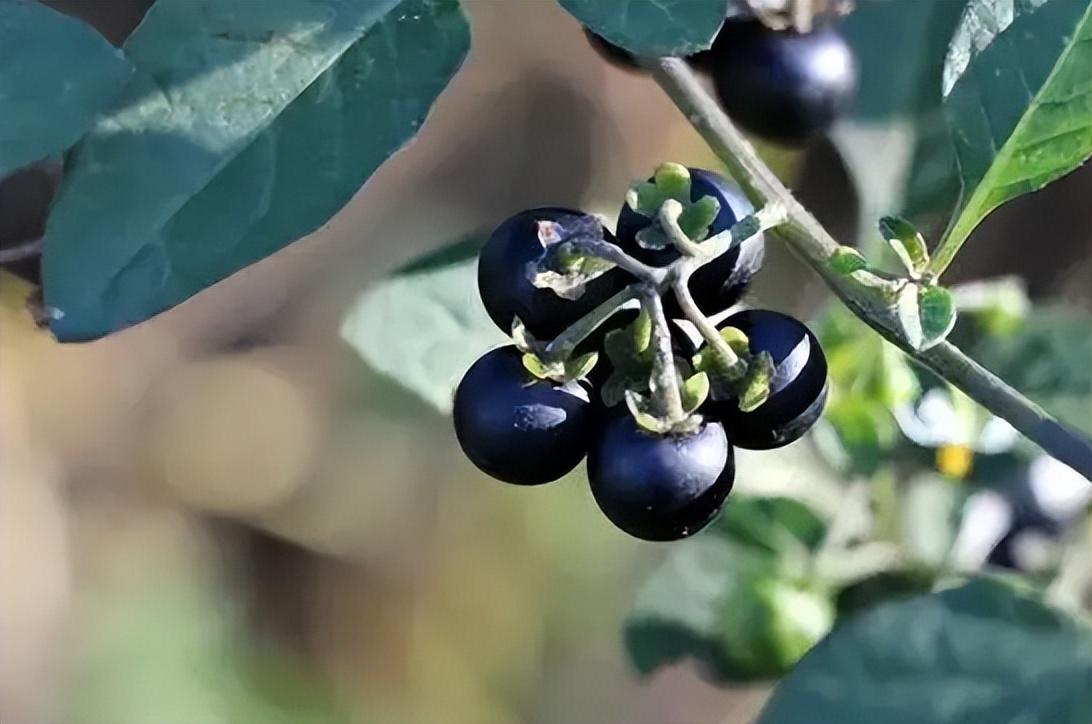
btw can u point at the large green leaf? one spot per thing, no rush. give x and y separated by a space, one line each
896 141
737 598
425 325
652 27
982 653
246 126
1018 97
55 74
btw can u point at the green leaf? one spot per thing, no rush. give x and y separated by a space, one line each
846 260
424 325
733 597
651 27
907 243
1018 97
56 74
981 653
1049 359
246 126
938 314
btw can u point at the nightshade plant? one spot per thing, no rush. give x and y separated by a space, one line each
223 130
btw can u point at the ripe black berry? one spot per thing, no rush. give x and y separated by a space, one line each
798 387
783 85
517 428
722 282
659 487
508 292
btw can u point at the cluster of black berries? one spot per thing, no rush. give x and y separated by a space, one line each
523 427
783 85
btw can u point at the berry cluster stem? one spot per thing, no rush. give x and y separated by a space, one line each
809 240
563 345
735 367
665 387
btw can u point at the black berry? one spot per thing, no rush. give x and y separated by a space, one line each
798 388
507 291
517 428
722 282
659 487
783 85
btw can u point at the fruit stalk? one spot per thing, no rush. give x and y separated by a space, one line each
735 367
809 240
563 345
665 387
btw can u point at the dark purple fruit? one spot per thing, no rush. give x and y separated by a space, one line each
722 282
517 428
783 85
798 388
659 487
507 291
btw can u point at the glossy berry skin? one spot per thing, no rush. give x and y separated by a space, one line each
659 487
723 281
798 389
519 429
507 292
782 85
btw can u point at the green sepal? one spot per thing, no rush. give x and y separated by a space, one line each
652 237
629 351
707 359
669 181
755 387
908 244
694 391
523 339
642 409
560 371
698 216
561 268
845 260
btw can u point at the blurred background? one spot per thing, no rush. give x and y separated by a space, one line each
222 515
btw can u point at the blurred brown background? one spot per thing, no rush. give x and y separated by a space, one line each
221 516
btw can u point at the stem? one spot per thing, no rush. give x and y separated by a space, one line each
670 211
946 252
25 250
563 345
665 389
736 367
609 252
810 241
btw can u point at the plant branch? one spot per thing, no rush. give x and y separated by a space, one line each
665 388
25 250
811 242
610 252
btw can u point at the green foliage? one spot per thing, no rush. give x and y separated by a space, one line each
737 598
246 126
424 325
1049 359
56 73
652 27
1018 96
981 653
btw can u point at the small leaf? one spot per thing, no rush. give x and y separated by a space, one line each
672 182
523 339
653 237
908 314
846 260
908 244
1018 98
736 339
958 646
56 74
246 126
695 390
540 369
938 314
641 408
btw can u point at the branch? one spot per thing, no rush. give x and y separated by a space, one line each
811 242
25 250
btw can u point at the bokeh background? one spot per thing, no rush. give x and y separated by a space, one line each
222 515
